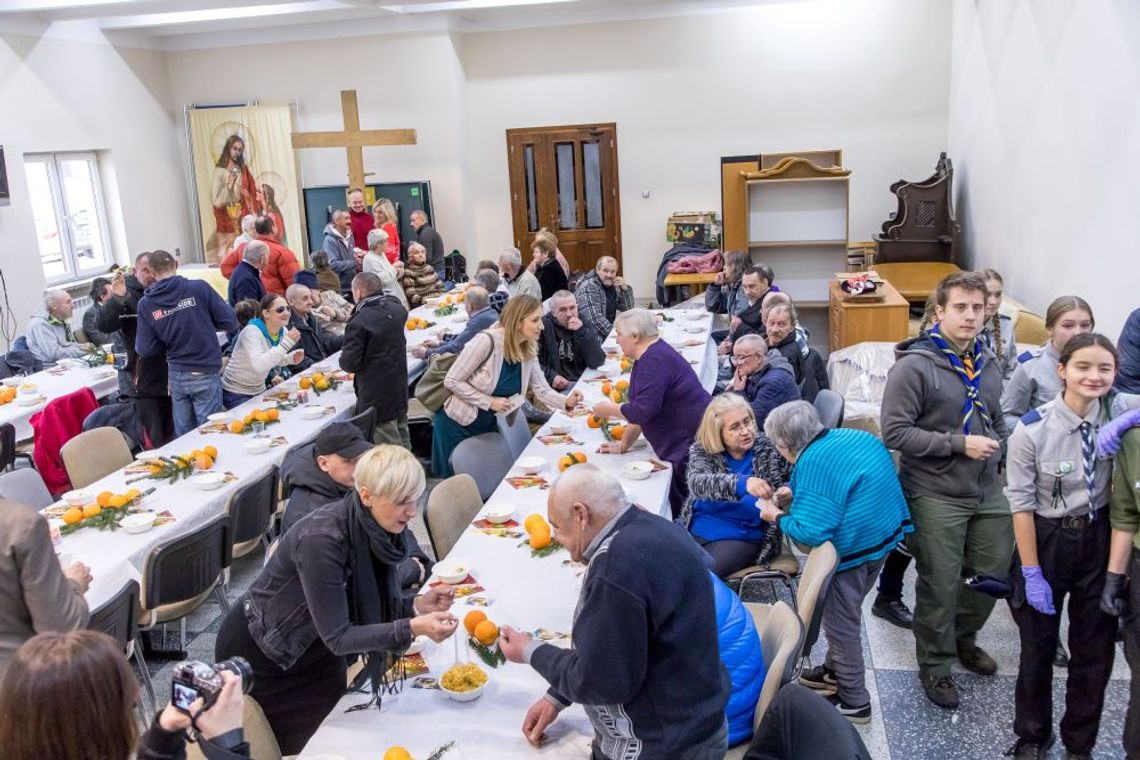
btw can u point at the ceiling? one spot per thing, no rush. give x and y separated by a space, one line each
209 23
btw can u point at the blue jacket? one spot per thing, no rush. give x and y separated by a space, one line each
245 282
1128 347
845 490
478 322
742 657
773 385
182 317
342 259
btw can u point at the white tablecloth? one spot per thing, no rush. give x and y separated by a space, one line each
103 381
526 593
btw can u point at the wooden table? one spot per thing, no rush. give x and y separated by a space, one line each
915 280
857 321
696 282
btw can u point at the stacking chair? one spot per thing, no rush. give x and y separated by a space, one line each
8 451
180 574
784 569
515 430
262 743
487 458
781 638
25 486
451 505
117 617
811 591
94 454
365 421
251 511
829 406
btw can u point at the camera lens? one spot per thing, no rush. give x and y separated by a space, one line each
239 666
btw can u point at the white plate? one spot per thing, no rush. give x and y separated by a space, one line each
693 314
693 329
637 470
12 382
29 400
312 411
560 428
207 481
499 513
77 498
531 465
139 522
452 570
256 446
219 417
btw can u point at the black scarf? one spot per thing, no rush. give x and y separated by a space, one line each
374 585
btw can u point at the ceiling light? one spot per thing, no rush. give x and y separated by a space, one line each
219 14
465 5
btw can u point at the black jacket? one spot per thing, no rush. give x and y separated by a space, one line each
751 322
376 350
811 374
433 243
551 278
583 344
159 744
120 317
318 344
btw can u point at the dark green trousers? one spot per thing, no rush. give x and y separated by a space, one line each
949 543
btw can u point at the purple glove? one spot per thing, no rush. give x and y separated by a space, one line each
1108 442
1037 591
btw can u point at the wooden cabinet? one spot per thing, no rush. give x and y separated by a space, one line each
850 322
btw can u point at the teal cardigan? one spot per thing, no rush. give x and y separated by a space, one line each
845 490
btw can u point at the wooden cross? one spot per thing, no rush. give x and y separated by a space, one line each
353 138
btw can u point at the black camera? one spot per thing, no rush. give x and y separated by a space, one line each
193 680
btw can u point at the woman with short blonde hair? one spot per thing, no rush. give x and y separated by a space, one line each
731 464
490 377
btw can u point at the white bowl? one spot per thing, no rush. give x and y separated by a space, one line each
207 481
531 465
256 446
463 696
312 411
693 314
499 513
13 382
418 644
434 300
27 388
139 522
77 498
219 417
637 470
460 316
693 329
560 427
452 570
28 400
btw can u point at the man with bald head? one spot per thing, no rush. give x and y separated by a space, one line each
645 663
49 334
317 343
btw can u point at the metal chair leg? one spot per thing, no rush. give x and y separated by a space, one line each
220 596
148 682
182 633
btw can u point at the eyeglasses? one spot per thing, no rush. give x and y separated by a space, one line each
740 427
281 309
735 360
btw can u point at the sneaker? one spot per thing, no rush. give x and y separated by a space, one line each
941 690
820 678
1023 750
859 715
977 661
1077 755
1061 657
894 611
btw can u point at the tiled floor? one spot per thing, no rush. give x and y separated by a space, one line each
904 724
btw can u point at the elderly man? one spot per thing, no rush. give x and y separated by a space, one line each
245 282
780 321
763 377
280 265
480 316
49 334
516 276
317 344
601 295
566 347
376 350
844 490
493 283
360 217
247 233
338 244
427 236
754 285
644 664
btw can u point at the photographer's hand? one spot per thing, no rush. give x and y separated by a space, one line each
226 713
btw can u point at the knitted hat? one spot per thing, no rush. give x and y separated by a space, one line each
306 277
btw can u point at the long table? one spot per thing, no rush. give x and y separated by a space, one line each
524 592
53 383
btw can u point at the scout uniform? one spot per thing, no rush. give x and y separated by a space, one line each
1034 382
1124 515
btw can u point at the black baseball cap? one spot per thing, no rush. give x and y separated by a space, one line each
343 439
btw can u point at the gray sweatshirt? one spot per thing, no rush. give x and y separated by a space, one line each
922 419
51 341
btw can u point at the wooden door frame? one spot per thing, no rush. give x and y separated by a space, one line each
518 211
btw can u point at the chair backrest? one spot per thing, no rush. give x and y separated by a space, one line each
815 580
117 617
252 506
829 405
187 566
25 486
515 430
7 444
365 421
781 636
487 458
451 505
262 743
93 455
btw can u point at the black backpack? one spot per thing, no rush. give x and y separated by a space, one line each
455 267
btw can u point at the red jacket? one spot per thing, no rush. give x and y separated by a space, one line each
279 270
54 425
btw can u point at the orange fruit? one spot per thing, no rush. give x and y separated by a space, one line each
237 426
104 498
92 510
616 397
540 537
119 500
593 421
486 633
318 377
473 618
260 416
272 415
410 324
533 521
73 515
203 462
154 468
321 385
397 753
617 431
579 457
606 387
622 385
565 462
211 451
249 419
305 383
133 494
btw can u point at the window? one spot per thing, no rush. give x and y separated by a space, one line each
67 206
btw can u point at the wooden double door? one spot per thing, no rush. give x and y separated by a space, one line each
566 179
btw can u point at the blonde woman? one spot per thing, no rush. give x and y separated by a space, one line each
545 240
384 213
376 262
489 377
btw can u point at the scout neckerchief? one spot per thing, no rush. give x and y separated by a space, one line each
60 323
968 367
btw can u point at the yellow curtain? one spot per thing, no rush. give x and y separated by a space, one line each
244 164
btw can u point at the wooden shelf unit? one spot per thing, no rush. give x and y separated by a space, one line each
852 321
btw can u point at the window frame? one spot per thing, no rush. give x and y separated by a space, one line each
63 215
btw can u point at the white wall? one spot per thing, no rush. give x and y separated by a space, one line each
65 95
1044 122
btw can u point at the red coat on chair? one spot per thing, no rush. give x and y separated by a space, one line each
54 425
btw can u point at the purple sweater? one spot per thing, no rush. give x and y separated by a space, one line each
666 400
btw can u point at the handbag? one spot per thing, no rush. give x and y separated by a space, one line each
430 390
